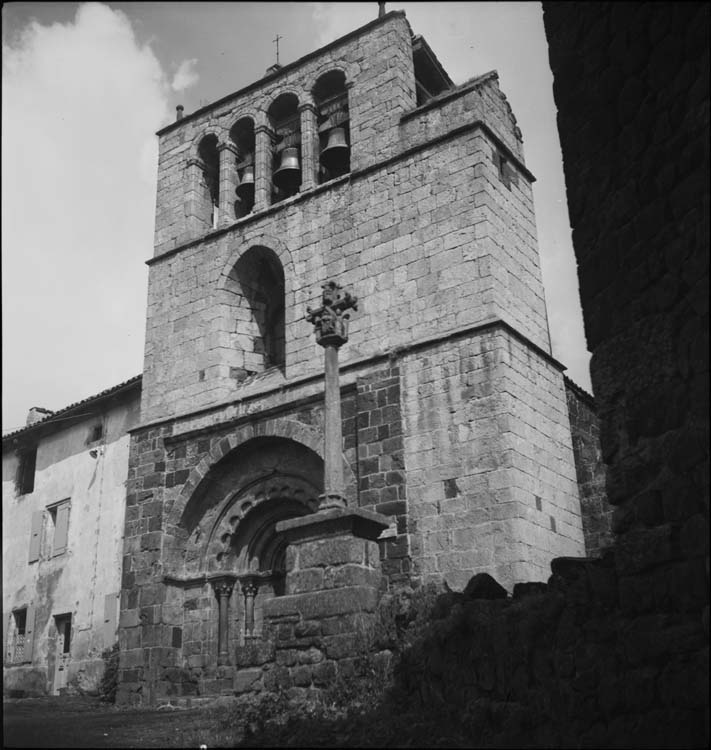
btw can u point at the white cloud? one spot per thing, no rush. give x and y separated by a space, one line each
81 104
185 76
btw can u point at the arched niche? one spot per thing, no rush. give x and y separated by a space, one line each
257 297
330 96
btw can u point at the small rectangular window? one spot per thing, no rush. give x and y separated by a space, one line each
96 433
507 174
26 471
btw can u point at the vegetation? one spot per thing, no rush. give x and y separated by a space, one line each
109 680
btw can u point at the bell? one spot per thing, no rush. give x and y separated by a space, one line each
245 189
335 155
288 176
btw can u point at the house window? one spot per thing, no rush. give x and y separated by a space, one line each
19 633
96 433
26 470
59 526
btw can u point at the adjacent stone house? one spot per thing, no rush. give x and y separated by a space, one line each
63 506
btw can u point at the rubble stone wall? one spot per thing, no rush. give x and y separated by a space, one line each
585 432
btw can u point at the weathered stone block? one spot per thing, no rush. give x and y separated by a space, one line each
321 604
247 680
299 581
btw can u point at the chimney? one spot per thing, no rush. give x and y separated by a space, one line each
381 10
179 112
37 414
273 69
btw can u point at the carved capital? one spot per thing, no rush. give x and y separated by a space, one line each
331 319
250 586
307 107
223 585
226 146
264 129
195 162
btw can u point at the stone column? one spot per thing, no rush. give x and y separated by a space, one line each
228 183
332 557
309 146
262 167
250 586
331 324
223 585
195 221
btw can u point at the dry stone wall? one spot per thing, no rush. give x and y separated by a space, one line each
631 86
585 432
569 663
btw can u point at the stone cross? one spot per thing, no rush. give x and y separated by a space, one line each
331 324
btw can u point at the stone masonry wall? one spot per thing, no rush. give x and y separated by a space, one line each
585 431
490 472
379 65
381 466
168 633
427 229
421 242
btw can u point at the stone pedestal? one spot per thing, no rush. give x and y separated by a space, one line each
332 588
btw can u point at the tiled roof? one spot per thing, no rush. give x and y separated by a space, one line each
66 411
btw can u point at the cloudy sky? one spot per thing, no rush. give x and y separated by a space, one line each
85 87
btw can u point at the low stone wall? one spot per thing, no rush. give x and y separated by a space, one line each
570 663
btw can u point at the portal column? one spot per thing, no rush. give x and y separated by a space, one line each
223 585
250 587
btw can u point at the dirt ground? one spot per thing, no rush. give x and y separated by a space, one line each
66 721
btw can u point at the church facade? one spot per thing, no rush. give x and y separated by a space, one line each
360 163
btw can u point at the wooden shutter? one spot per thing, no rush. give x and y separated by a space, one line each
35 535
5 636
110 607
29 632
61 529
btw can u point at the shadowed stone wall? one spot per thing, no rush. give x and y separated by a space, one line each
585 431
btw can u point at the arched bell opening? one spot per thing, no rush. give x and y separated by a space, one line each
286 167
331 99
210 183
242 136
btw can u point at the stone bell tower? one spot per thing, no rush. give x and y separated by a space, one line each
360 162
